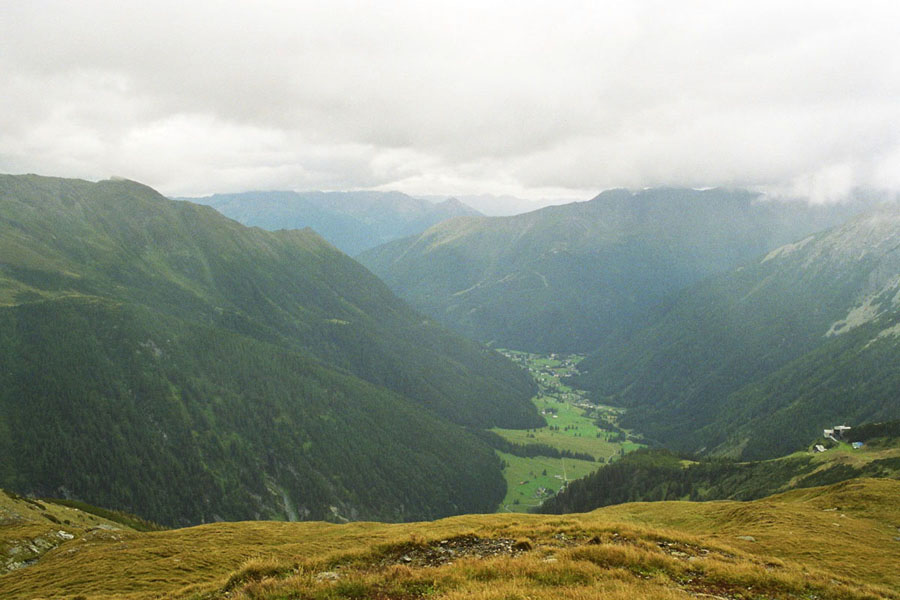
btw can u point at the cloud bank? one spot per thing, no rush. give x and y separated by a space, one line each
529 98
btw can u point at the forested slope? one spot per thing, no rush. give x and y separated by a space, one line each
566 278
755 362
163 359
656 475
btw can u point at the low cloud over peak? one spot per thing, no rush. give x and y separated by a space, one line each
535 99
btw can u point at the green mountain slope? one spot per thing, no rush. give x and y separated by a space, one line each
564 278
352 221
184 423
754 362
655 475
124 241
165 360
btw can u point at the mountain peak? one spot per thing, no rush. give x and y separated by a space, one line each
174 362
353 221
456 207
565 277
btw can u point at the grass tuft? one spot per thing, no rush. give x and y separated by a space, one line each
257 569
522 545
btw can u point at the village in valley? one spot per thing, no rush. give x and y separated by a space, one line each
587 433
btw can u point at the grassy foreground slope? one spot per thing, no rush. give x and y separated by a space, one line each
835 542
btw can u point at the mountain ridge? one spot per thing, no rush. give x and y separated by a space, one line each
352 221
563 278
784 337
159 297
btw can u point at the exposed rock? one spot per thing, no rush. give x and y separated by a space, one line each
445 551
22 553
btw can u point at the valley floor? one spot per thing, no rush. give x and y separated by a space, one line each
572 425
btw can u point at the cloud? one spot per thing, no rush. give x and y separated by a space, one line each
529 98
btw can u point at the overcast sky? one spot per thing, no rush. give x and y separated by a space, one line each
536 99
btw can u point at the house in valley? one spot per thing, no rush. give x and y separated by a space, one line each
837 433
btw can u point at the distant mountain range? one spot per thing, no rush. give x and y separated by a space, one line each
755 361
501 206
566 278
352 221
160 358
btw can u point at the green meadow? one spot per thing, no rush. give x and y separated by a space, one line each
531 480
571 425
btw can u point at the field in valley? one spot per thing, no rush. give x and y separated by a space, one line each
572 425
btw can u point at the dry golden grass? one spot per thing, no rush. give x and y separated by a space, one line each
789 546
